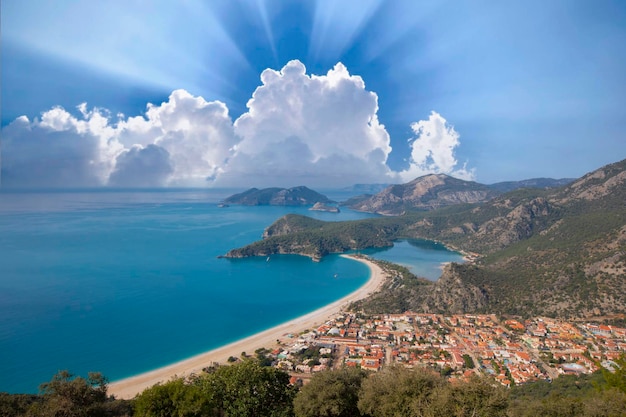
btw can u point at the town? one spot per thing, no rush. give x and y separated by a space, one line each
512 350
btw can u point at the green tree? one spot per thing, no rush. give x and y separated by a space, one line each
617 378
469 362
331 394
553 406
475 398
66 395
399 392
176 398
608 403
16 404
247 389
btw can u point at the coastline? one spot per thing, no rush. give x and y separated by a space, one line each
129 387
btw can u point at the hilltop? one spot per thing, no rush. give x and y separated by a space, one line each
295 196
556 252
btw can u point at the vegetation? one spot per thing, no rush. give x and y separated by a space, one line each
248 389
331 393
397 293
296 196
66 395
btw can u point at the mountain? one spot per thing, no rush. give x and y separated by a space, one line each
435 191
296 196
424 193
506 186
556 252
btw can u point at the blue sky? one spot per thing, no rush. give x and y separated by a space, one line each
489 91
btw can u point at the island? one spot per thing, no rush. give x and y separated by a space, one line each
324 207
295 196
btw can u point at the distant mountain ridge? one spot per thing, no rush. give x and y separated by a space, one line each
295 196
424 193
366 188
542 183
433 191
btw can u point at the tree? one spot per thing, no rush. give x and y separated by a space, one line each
249 389
176 398
16 404
469 362
399 392
476 398
331 394
69 396
617 378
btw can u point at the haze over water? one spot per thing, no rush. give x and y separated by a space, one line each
123 282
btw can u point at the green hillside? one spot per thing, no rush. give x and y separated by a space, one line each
557 252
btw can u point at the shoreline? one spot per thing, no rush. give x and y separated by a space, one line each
128 388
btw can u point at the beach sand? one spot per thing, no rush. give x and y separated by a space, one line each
130 387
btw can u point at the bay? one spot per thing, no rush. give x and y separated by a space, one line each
123 282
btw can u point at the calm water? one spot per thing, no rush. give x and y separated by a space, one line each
125 282
422 257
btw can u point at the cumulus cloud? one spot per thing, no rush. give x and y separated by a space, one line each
316 130
141 167
432 150
179 142
311 127
198 135
57 151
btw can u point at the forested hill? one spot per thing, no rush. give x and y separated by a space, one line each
295 196
558 252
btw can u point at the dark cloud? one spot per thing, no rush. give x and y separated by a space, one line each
141 167
34 155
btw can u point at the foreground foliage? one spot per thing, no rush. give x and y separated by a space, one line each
248 389
243 389
67 395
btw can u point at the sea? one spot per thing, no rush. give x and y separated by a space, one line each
127 281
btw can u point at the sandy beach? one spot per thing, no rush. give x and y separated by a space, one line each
130 387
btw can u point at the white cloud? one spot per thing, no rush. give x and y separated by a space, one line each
315 130
63 150
197 134
432 150
57 151
318 129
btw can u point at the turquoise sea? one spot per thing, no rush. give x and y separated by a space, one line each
123 282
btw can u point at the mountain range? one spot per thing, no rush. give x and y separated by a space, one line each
439 190
550 251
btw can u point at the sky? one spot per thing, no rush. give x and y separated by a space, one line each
242 93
